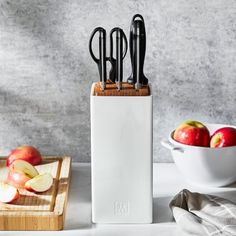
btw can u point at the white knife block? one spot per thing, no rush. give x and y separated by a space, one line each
121 158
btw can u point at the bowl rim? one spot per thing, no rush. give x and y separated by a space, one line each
177 144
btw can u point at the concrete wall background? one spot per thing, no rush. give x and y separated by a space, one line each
46 70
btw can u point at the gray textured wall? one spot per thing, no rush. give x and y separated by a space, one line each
46 70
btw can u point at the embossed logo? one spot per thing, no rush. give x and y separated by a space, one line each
121 208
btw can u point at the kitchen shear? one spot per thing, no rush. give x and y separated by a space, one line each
116 72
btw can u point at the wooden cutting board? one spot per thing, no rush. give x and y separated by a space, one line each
44 211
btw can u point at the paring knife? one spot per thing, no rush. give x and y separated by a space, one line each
137 43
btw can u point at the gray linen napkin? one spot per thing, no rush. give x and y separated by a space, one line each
202 214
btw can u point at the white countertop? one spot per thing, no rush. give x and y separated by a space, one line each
167 182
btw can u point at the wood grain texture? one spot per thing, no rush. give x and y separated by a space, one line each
127 90
44 211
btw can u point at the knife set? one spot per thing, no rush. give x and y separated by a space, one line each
121 130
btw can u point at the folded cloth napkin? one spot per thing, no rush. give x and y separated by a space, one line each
205 215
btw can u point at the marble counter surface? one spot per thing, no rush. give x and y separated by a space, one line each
167 182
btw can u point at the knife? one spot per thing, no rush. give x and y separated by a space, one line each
137 42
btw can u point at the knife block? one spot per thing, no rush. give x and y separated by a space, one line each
121 154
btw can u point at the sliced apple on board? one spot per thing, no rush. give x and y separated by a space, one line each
40 183
20 172
25 168
17 179
8 193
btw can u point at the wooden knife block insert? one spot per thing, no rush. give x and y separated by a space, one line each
127 90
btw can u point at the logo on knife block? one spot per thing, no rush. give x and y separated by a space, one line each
121 208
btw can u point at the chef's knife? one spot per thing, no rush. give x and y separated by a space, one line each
137 51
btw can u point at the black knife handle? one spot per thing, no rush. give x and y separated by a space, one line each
137 55
130 80
137 17
101 61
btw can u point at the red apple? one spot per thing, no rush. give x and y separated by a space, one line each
17 179
40 183
8 193
223 137
192 133
26 153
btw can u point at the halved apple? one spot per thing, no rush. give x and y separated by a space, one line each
24 167
40 183
8 193
17 179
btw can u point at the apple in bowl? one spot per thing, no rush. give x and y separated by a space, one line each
223 137
192 133
202 165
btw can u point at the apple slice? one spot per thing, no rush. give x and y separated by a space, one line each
40 183
24 167
17 179
8 193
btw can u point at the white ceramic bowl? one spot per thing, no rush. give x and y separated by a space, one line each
203 165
